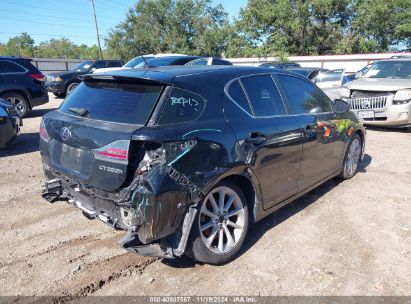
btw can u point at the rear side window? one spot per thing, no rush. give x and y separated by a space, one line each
264 96
100 65
303 97
10 67
334 75
181 106
236 93
113 102
114 64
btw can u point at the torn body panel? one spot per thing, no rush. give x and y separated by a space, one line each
165 180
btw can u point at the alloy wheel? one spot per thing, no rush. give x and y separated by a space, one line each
353 156
19 105
222 220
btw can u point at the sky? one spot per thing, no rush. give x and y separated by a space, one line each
73 19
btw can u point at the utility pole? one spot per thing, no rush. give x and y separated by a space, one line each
98 36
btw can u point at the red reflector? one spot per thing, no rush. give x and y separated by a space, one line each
39 77
43 132
114 153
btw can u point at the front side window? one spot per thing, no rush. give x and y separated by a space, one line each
83 67
263 95
181 106
201 61
303 97
100 65
136 61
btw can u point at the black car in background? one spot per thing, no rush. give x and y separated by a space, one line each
165 61
62 83
22 84
280 65
9 123
184 159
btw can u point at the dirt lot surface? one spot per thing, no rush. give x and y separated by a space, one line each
349 238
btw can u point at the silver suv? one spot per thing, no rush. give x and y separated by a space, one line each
382 96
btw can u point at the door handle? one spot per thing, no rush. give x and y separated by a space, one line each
256 138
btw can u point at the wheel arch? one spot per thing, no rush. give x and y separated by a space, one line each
248 187
361 133
19 91
78 81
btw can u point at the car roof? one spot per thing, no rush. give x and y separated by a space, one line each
175 57
14 58
167 74
307 69
402 59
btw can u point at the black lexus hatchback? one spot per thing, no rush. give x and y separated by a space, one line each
183 159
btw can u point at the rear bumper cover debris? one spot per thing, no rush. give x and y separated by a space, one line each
157 217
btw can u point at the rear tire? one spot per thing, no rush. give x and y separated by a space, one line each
221 225
19 101
351 158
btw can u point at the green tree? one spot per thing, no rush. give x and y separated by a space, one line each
302 27
161 26
22 45
386 22
58 48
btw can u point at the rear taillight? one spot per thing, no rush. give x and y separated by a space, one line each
115 152
39 77
43 132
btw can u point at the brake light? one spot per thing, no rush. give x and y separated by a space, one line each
39 77
43 132
115 152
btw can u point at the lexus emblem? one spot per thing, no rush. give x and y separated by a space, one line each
366 104
65 133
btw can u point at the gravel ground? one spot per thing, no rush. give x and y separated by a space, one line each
349 238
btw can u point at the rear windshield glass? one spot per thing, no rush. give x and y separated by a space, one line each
111 101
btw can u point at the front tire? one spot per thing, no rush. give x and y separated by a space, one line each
20 103
59 95
221 225
71 87
352 158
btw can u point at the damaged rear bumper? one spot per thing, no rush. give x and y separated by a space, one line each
157 224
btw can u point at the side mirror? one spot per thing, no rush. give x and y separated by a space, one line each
93 69
358 75
341 106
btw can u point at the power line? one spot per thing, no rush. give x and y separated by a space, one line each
46 23
49 35
48 16
42 8
112 4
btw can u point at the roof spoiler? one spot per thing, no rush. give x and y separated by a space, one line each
130 79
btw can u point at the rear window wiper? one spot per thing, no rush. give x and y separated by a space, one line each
79 111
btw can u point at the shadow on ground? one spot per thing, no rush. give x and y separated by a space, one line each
389 130
257 230
24 143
